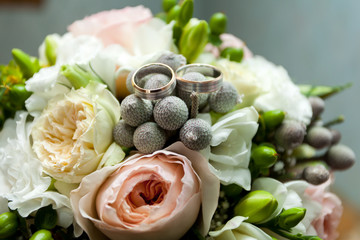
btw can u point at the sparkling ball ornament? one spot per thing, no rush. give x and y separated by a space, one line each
135 110
172 60
129 86
123 134
149 137
171 113
340 157
196 134
225 99
156 81
185 96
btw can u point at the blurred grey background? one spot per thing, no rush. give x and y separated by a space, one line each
318 42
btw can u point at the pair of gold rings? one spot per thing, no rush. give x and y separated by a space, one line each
212 84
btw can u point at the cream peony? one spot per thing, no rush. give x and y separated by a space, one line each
230 147
267 87
237 229
74 131
151 197
22 182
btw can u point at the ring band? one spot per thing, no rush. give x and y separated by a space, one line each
207 86
156 93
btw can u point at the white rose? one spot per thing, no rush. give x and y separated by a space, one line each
267 87
74 131
47 83
237 229
290 195
230 147
21 179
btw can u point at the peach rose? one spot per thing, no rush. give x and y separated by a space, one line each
114 26
326 224
229 40
150 197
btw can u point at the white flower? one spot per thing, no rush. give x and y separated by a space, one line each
22 182
47 83
237 229
290 195
230 147
267 87
74 131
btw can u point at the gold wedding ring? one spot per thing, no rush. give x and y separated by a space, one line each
156 93
206 86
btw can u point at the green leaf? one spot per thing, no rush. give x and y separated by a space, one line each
322 91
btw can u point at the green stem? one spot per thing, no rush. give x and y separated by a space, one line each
339 119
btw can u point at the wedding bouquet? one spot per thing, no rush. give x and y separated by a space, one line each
134 126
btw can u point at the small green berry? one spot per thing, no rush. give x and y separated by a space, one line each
171 113
233 54
225 99
123 134
135 110
264 157
218 23
273 118
316 175
340 157
196 134
8 224
319 137
149 137
42 235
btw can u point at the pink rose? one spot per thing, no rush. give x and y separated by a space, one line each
114 26
150 197
326 224
229 40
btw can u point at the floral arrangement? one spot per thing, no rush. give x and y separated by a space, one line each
131 126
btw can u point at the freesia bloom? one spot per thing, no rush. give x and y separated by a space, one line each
22 182
156 196
230 146
74 131
237 229
113 27
328 220
267 87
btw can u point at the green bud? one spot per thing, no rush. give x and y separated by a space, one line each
257 206
304 151
273 118
193 39
8 224
77 76
46 218
233 54
264 156
291 217
186 12
168 4
173 13
50 50
27 64
42 235
162 16
18 93
218 23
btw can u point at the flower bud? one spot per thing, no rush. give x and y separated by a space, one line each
317 106
319 137
257 206
46 218
304 151
316 174
42 235
273 118
50 50
168 4
233 54
290 134
28 65
185 13
173 13
291 217
264 156
336 136
77 76
18 93
218 23
340 157
193 39
8 224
